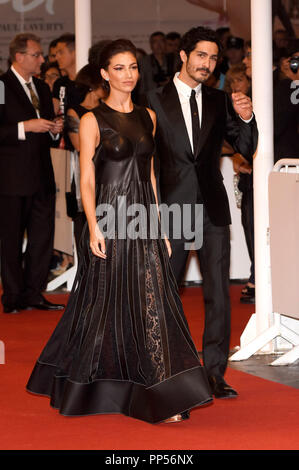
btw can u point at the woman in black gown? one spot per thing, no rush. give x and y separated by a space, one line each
123 344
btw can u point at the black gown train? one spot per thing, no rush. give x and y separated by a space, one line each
123 344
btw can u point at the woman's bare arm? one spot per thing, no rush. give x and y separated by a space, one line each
89 139
74 136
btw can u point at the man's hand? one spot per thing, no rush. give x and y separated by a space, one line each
242 105
57 126
38 125
240 164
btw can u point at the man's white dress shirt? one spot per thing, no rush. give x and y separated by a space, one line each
184 92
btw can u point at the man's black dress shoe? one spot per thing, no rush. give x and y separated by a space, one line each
248 295
248 291
44 304
14 308
247 299
220 389
11 309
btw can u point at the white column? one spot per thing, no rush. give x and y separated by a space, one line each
83 31
260 332
262 88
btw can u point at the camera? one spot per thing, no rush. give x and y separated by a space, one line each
294 63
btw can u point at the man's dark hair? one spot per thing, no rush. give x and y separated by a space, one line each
198 34
222 30
157 33
173 35
68 39
53 43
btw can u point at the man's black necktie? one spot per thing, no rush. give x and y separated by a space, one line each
195 122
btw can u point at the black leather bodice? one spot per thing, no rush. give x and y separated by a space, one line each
126 146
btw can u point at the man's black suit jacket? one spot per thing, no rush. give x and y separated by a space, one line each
25 165
183 178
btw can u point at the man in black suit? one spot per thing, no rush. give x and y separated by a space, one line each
27 186
192 122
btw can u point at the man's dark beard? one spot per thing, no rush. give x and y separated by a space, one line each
203 69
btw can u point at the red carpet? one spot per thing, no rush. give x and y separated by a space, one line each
264 416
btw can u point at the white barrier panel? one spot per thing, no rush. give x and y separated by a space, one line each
284 250
63 240
284 256
284 237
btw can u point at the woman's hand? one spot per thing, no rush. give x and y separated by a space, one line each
97 243
168 246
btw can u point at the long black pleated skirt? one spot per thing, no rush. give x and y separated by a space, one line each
123 344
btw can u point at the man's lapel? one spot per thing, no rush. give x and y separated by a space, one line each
207 117
173 112
16 86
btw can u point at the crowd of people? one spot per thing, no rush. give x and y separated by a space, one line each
190 100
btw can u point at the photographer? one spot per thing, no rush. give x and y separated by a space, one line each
286 110
293 71
286 144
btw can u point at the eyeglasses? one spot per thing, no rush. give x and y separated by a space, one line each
36 55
